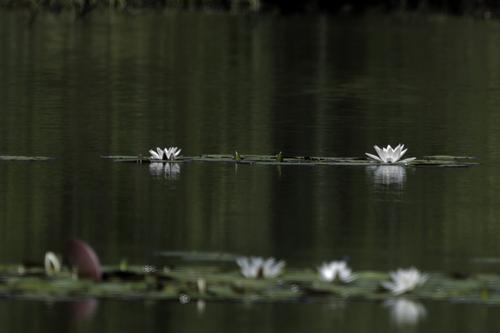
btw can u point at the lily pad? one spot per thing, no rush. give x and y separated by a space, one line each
224 283
280 159
24 158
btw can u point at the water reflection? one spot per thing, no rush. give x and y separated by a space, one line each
388 175
115 315
83 309
168 170
200 306
405 312
337 305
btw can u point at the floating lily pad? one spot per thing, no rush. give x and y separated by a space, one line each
279 159
24 158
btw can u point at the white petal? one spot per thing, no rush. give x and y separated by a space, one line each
272 269
386 154
168 152
325 273
389 285
423 279
154 155
242 262
160 152
381 153
347 277
397 151
376 158
395 156
246 268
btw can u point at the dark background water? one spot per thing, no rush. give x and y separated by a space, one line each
215 83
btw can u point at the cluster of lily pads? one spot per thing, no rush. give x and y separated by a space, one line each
84 259
202 277
404 311
402 280
385 155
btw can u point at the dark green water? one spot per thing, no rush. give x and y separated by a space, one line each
334 316
213 83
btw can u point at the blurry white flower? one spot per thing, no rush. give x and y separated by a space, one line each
149 269
336 270
256 267
405 312
390 155
168 154
52 264
184 299
404 280
202 285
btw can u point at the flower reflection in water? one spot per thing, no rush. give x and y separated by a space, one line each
167 170
200 306
388 174
83 309
405 312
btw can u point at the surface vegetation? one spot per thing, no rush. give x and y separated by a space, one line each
280 159
223 282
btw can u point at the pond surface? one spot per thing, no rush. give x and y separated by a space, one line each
215 83
334 316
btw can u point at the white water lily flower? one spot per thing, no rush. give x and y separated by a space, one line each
336 270
390 155
52 264
404 280
169 154
256 267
